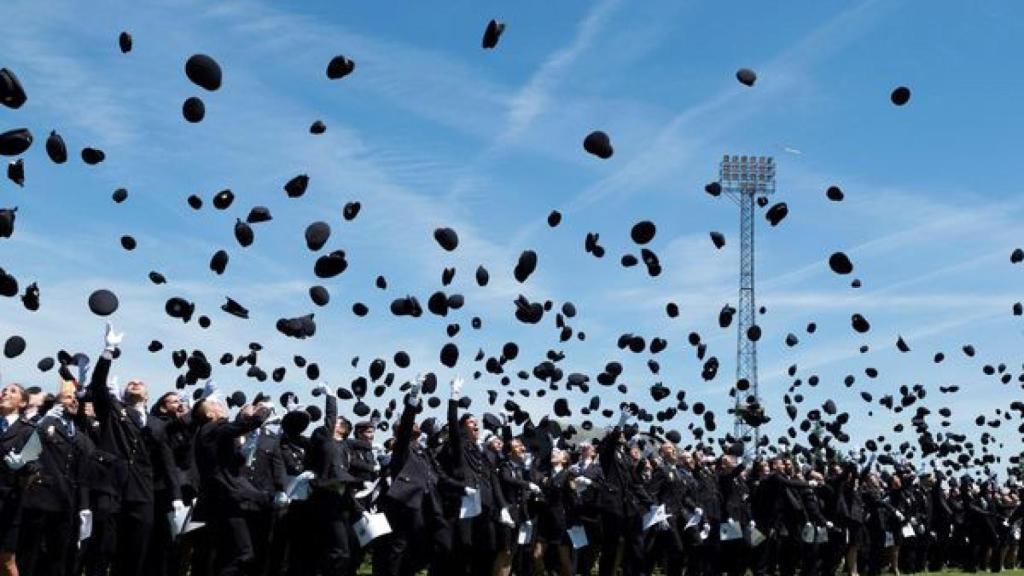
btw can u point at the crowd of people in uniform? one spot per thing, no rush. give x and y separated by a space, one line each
100 481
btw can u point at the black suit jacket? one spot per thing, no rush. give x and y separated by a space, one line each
122 435
621 493
224 485
58 483
413 479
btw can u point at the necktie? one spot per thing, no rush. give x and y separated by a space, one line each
4 424
69 425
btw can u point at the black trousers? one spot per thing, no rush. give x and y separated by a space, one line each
586 557
44 542
132 527
406 549
629 531
664 546
235 554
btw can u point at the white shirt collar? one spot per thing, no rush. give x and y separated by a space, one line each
12 418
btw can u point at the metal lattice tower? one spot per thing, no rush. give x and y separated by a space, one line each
743 178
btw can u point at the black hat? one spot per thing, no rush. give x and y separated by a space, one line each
128 243
526 265
859 323
401 359
746 76
381 283
317 234
776 213
598 144
312 371
492 34
482 276
643 232
330 265
450 355
718 239
672 309
235 309
446 238
12 94
360 309
157 278
554 218
193 109
300 327
14 346
180 308
16 172
351 210
30 299
124 41
243 233
155 346
319 295
93 156
840 263
259 214
295 422
900 96
296 186
339 67
56 149
447 275
45 365
103 303
203 71
15 142
901 345
713 188
317 127
219 262
834 193
408 306
195 202
8 284
7 222
223 199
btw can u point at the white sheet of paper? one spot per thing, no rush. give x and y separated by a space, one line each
908 531
578 537
471 506
822 536
729 530
32 449
807 533
85 530
525 533
368 488
178 517
371 526
298 486
693 520
654 516
756 537
889 540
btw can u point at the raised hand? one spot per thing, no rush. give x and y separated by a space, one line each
111 339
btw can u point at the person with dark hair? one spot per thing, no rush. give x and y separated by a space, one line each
229 502
15 431
161 426
122 434
623 502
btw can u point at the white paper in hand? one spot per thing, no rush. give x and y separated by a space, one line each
525 533
32 449
298 486
371 526
821 537
807 533
730 530
85 527
578 537
177 518
655 515
908 531
471 506
756 537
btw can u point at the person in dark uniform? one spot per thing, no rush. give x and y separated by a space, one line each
735 513
56 491
14 433
363 466
622 503
267 473
293 545
558 502
229 502
670 489
161 426
412 503
333 489
590 477
514 480
709 501
122 434
473 542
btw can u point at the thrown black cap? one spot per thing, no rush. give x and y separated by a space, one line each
155 346
7 217
351 210
718 239
157 278
339 67
193 109
360 309
93 156
56 149
777 213
124 41
46 364
219 262
8 284
834 193
235 309
128 243
259 214
319 295
12 94
492 34
599 144
446 238
840 263
223 199
317 235
900 96
16 172
643 232
526 265
296 187
30 299
859 323
15 142
554 218
330 265
194 202
243 233
177 307
14 346
103 302
450 355
746 76
317 127
203 71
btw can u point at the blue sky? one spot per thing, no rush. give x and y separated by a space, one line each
432 131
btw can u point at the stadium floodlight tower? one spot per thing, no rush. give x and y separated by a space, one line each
743 178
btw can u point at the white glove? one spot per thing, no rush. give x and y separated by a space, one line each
469 490
56 412
829 525
899 516
624 418
812 483
14 460
111 339
85 517
281 500
534 488
456 388
506 518
698 511
583 481
413 399
376 466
